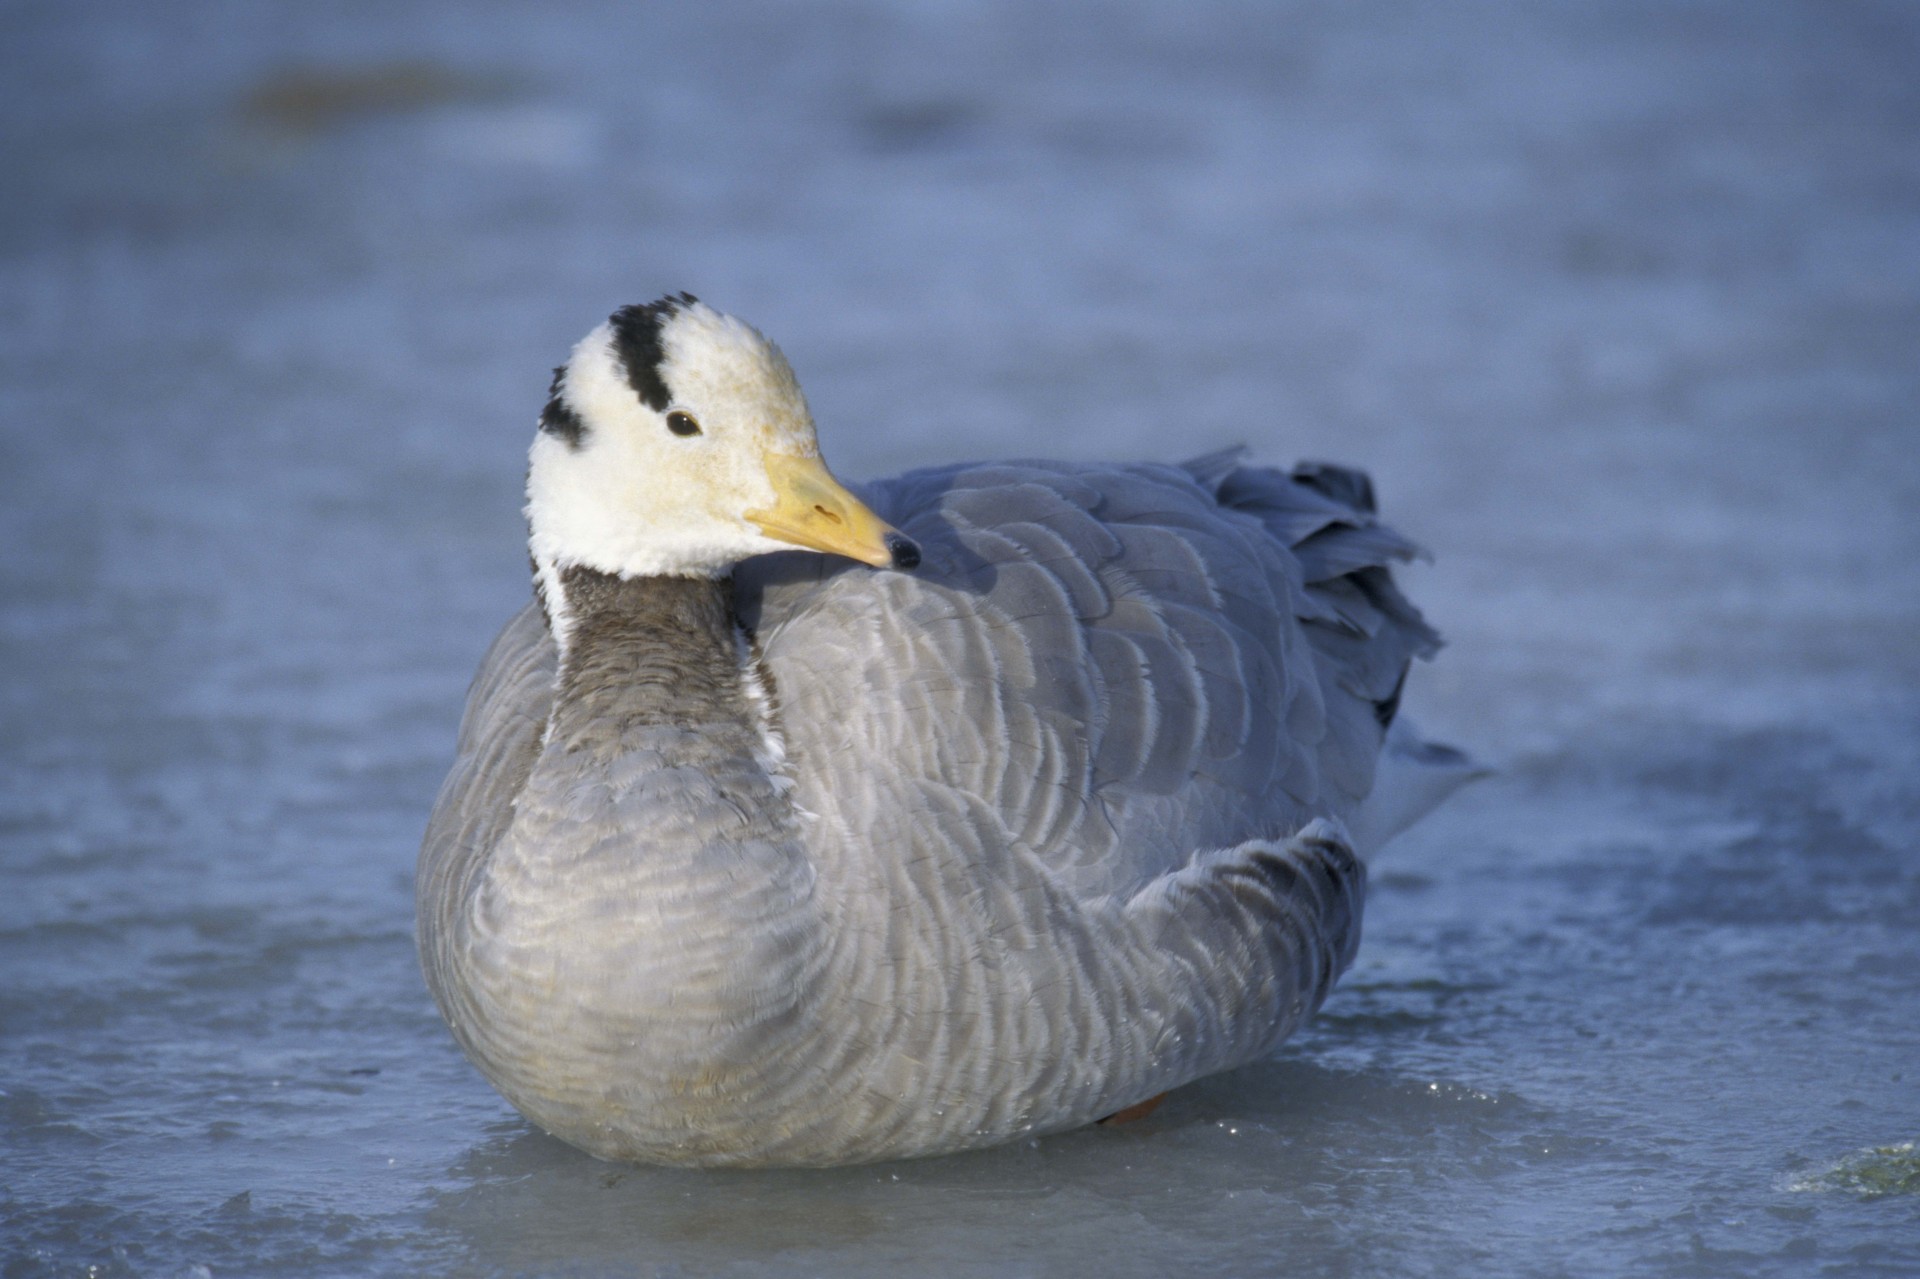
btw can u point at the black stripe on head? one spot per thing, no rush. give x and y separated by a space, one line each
636 340
557 418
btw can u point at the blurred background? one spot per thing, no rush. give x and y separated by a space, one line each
1619 302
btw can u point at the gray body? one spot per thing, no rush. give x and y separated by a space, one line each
1052 825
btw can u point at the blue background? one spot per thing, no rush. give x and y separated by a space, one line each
1619 302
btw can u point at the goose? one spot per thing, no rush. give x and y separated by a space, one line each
790 827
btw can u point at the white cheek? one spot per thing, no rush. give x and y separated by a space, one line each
581 503
629 503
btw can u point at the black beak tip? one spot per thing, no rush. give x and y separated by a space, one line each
906 554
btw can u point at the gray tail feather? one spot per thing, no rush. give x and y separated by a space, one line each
1413 777
1361 627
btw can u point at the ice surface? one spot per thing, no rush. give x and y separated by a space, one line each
1619 302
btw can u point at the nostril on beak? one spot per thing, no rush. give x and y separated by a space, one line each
906 554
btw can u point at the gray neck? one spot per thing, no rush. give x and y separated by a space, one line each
651 653
649 916
655 750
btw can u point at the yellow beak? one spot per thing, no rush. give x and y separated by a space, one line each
812 510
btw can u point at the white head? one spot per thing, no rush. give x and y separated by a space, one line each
676 442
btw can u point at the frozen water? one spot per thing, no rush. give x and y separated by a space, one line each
1620 303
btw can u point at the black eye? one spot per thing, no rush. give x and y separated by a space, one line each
682 423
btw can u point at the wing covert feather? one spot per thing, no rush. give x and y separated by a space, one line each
1126 665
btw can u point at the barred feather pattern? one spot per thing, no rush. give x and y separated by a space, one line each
1063 828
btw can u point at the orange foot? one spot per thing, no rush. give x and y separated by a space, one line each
1138 1110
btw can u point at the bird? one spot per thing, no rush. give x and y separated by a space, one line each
795 826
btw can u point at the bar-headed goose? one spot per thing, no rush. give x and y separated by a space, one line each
1050 803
